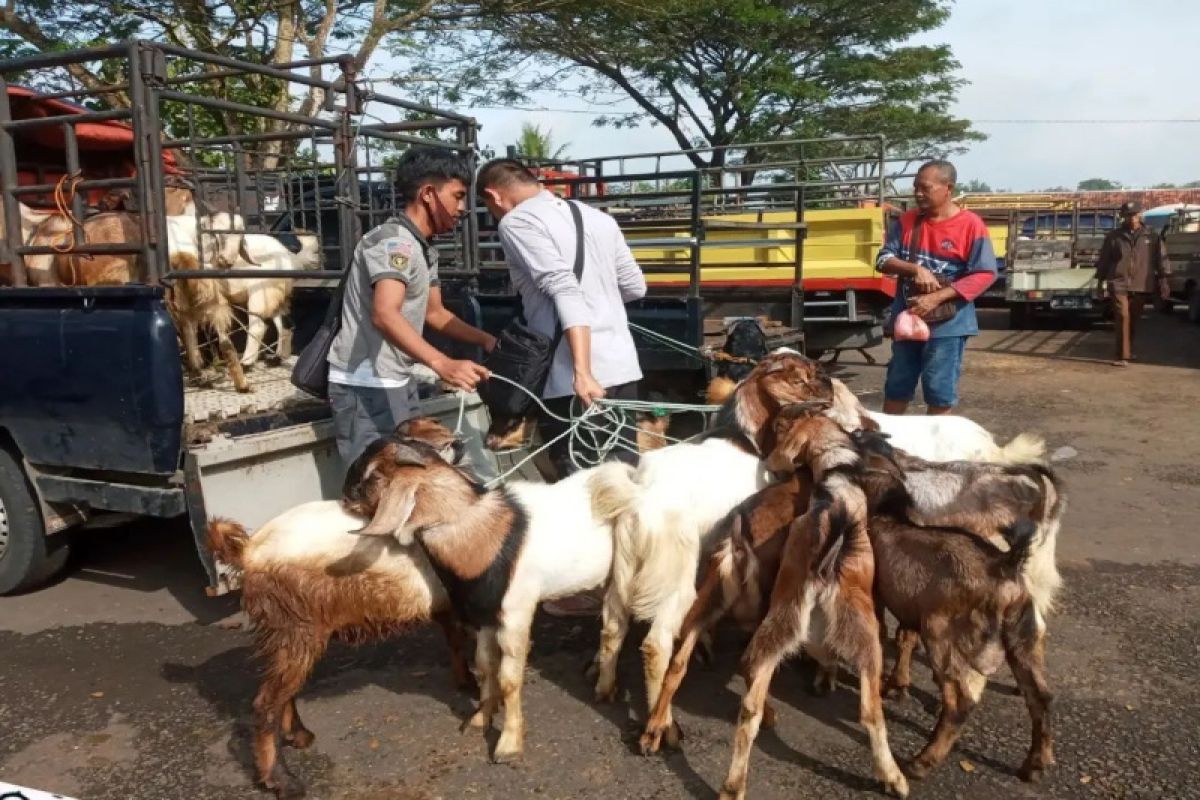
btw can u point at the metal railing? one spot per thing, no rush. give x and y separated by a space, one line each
327 171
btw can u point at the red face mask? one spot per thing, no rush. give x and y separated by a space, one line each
443 221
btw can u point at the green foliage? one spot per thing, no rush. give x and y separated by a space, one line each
537 144
719 72
1098 185
974 185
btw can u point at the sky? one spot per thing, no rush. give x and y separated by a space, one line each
1024 60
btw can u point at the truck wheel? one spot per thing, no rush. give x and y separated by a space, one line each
27 556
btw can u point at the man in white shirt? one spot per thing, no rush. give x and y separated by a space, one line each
537 231
392 293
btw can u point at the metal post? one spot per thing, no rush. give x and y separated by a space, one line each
146 67
8 198
346 186
470 231
697 238
71 145
797 321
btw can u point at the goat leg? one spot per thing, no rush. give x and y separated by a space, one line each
294 733
709 605
900 679
230 356
614 627
283 344
191 347
286 673
487 663
1026 658
870 676
456 638
513 638
957 703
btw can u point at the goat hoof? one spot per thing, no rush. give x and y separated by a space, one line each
301 739
478 722
728 793
506 752
673 737
1031 772
287 787
897 785
650 742
607 695
918 768
896 693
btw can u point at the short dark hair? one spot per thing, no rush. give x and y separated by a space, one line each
503 172
421 165
945 168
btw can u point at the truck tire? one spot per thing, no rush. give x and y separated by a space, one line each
27 556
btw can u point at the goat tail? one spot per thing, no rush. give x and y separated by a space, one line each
613 491
226 540
1025 448
719 390
1042 578
1021 538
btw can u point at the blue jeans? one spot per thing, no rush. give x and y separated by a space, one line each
937 363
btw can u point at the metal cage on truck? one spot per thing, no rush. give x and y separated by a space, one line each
96 415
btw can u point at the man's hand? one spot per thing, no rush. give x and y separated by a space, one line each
587 388
924 281
464 375
923 304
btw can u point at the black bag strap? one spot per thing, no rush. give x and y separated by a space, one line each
576 215
914 239
339 294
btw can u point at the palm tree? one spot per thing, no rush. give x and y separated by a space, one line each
538 144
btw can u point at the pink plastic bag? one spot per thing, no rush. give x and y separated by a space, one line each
911 328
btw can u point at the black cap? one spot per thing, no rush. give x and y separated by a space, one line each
1130 208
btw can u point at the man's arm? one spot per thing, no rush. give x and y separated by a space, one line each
445 322
890 263
386 304
1104 265
630 279
529 244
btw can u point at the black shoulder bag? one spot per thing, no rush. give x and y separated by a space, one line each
523 355
943 311
311 372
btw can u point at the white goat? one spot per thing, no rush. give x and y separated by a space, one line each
267 298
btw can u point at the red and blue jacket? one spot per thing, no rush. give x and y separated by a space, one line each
957 249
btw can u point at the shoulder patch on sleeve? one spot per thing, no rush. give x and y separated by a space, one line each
398 252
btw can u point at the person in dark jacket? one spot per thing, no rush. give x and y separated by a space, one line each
1132 267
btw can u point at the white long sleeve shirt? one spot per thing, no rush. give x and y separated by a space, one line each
538 237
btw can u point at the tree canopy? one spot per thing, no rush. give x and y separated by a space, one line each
722 72
1098 185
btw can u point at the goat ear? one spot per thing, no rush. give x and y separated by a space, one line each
393 512
406 455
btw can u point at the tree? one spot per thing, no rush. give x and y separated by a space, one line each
1098 185
975 185
258 31
1056 189
723 72
537 144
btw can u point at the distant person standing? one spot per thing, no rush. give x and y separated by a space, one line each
942 254
1132 267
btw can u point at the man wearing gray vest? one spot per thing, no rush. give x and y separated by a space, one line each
392 293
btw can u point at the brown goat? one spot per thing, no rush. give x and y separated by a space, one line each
965 596
822 600
202 301
306 578
738 580
74 269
